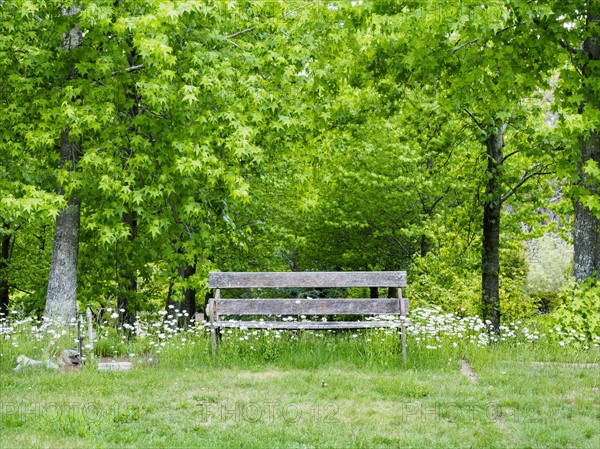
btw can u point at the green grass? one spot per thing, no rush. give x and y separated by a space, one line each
304 389
330 393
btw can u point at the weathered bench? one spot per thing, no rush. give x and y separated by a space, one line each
218 307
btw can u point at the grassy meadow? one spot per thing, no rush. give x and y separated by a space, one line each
303 389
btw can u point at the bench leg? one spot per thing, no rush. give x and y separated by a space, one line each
403 330
213 341
403 315
212 313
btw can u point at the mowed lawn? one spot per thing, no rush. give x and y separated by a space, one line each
338 405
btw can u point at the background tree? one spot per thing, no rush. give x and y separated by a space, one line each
462 56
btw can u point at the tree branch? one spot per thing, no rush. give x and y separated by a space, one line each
239 33
70 11
460 47
509 27
523 181
130 69
477 122
510 154
306 5
438 199
252 28
21 290
564 44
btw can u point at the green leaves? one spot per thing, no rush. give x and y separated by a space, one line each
591 168
235 132
579 314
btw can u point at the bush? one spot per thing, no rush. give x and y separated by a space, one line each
546 302
514 301
433 281
577 321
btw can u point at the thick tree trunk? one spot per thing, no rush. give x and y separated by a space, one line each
586 232
4 261
61 298
490 260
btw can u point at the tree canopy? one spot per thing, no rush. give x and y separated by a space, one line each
145 143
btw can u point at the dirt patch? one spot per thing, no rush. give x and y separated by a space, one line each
467 371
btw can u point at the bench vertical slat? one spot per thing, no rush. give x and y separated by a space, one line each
403 313
213 319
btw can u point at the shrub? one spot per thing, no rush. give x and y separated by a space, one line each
577 321
546 302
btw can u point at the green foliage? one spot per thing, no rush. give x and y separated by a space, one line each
290 135
445 280
514 302
173 118
577 321
545 302
29 264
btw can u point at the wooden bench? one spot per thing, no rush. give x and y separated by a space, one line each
217 306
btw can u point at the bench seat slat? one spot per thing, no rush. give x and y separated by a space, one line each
307 279
328 306
312 325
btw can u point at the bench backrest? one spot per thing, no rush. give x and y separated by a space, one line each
322 279
308 306
328 306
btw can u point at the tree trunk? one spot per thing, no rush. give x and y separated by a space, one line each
4 261
490 260
61 298
124 303
188 303
586 232
189 294
425 245
128 278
